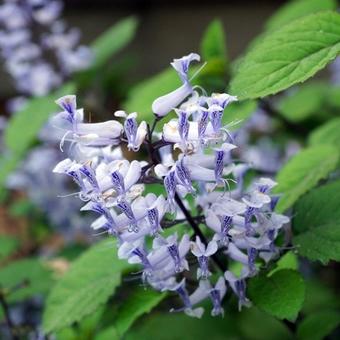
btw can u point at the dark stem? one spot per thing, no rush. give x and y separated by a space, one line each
8 319
197 231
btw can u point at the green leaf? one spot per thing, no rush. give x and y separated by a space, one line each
303 102
213 42
178 326
33 271
333 97
320 243
257 325
141 96
288 56
287 261
316 208
88 284
8 245
24 126
303 172
141 301
280 295
239 111
327 133
113 40
296 9
318 325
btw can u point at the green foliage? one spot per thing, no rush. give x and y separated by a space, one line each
30 270
303 172
287 261
239 111
327 133
305 101
296 9
318 221
287 56
91 280
172 326
318 325
142 95
141 301
8 245
318 207
333 97
281 295
213 42
257 325
113 40
321 243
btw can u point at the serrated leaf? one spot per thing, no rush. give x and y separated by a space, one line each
37 275
318 207
297 9
303 102
8 245
288 56
327 133
303 172
88 284
213 42
318 325
141 301
280 295
320 243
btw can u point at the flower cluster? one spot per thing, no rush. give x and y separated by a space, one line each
38 49
192 162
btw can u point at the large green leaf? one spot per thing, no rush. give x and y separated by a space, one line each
213 42
303 172
91 280
287 56
318 325
327 133
113 40
320 243
36 275
317 208
239 111
303 102
297 9
281 295
287 261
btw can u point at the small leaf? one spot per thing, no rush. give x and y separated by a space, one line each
91 280
8 245
297 9
213 42
327 133
318 325
320 243
280 295
303 102
34 272
287 261
287 56
303 172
